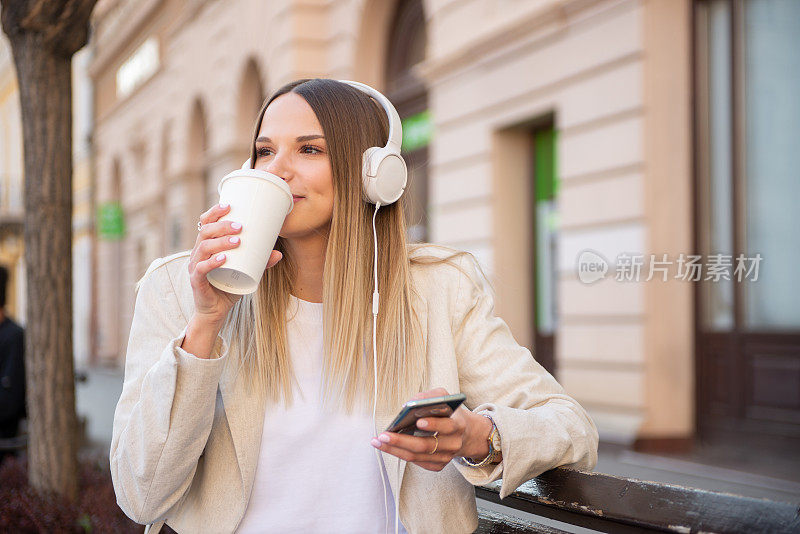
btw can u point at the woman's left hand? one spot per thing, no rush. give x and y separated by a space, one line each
462 434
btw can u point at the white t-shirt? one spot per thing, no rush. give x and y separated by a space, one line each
317 471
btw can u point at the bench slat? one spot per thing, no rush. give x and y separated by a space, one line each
490 522
615 504
16 443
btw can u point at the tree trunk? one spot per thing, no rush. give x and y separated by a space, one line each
44 35
45 83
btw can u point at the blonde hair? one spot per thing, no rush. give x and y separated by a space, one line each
256 327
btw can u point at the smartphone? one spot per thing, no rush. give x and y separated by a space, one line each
406 420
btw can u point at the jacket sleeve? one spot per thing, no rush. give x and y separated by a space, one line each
12 379
540 426
165 412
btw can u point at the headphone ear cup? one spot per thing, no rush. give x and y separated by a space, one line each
384 174
368 160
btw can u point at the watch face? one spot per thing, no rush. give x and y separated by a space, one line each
496 441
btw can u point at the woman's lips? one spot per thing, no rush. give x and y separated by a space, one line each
295 198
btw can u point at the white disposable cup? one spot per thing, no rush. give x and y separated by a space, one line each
260 201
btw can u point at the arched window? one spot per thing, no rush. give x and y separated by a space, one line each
251 96
199 196
406 47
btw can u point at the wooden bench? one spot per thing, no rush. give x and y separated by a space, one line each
620 505
20 441
15 444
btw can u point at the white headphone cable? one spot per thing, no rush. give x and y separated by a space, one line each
375 299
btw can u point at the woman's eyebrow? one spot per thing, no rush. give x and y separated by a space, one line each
299 139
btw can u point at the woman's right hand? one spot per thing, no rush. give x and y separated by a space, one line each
214 238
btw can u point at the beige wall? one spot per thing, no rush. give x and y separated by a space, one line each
493 66
584 63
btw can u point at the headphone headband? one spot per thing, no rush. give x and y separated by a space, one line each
395 130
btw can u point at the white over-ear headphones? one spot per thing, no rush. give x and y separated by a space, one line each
384 171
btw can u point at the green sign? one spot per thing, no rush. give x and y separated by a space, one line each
417 131
110 221
545 164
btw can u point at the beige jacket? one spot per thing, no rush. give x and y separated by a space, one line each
186 437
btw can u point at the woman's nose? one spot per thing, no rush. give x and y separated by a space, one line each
280 167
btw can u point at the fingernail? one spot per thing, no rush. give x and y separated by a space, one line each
220 257
384 438
375 443
223 206
233 239
236 226
422 423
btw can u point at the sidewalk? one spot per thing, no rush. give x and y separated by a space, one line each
728 470
96 399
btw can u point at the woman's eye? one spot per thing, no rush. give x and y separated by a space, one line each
306 149
314 149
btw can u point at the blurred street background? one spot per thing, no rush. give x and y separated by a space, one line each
626 172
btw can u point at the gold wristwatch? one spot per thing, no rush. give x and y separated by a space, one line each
494 446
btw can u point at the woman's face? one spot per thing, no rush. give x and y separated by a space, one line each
290 144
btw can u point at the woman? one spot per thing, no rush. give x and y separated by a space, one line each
253 414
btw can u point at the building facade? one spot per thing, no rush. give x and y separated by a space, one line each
11 206
539 133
